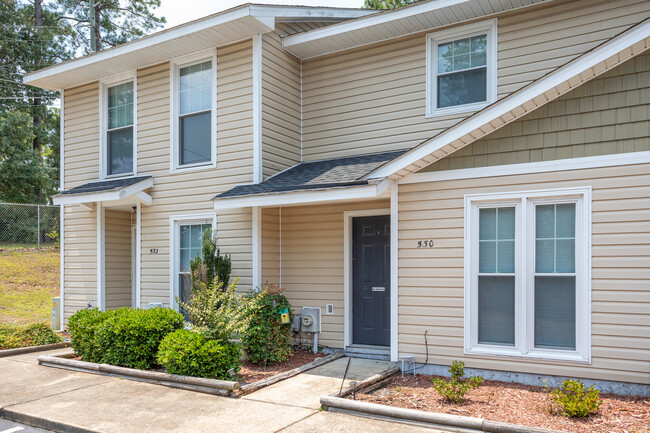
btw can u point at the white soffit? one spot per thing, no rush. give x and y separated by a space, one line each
601 59
386 25
229 26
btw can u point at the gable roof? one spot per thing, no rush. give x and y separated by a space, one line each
390 24
599 60
235 24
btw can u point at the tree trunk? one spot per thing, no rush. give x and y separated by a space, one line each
36 102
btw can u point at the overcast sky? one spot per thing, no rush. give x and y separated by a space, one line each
181 11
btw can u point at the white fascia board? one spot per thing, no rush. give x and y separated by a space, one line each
298 197
142 43
114 194
322 14
369 21
498 109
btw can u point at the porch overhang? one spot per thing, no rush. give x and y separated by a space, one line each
332 180
118 193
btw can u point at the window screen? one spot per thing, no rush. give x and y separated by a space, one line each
120 129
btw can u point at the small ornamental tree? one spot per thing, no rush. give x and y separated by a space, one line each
454 389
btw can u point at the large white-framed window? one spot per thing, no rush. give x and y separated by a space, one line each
186 234
528 274
194 112
118 127
461 69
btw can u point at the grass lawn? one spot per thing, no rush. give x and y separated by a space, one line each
28 281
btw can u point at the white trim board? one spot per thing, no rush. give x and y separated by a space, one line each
564 79
347 269
394 273
612 160
62 211
257 109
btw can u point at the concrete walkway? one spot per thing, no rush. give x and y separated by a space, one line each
72 401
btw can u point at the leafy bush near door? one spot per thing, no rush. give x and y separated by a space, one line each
266 339
125 337
190 353
454 389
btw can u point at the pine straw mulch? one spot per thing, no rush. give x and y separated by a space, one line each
250 372
516 404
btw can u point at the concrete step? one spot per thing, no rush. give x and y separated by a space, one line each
368 352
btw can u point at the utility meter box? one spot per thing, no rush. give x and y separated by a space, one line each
56 313
310 319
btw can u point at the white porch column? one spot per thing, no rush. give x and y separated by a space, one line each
138 256
394 276
101 259
257 247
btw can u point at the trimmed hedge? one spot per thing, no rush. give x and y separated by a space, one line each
124 337
35 334
191 354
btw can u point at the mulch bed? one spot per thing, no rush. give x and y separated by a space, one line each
252 372
516 404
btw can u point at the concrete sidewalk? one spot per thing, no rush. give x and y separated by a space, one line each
63 400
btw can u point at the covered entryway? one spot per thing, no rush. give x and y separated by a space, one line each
371 280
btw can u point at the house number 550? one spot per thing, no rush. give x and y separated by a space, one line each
425 244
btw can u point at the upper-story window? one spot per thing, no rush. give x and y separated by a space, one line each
118 129
461 66
194 113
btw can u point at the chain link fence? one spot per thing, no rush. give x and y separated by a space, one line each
28 225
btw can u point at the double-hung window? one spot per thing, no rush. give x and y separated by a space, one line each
194 114
461 69
527 274
187 243
119 136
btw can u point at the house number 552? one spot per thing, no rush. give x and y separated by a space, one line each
425 244
153 251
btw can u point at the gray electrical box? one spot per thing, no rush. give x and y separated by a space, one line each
56 313
310 319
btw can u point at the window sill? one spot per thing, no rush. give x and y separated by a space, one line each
459 109
193 167
542 355
119 176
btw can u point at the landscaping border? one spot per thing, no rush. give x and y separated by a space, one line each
30 349
224 388
360 408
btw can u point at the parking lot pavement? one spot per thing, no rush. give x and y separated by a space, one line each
13 427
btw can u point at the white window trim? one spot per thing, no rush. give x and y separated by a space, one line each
175 222
524 301
434 39
174 151
103 124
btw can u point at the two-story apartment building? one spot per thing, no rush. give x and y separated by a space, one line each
456 179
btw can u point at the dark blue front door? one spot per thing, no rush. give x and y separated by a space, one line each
371 280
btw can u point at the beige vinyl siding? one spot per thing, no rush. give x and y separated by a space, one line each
191 192
312 261
431 280
271 246
372 99
81 147
280 106
608 115
117 258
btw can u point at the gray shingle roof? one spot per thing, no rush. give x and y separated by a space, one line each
105 185
330 173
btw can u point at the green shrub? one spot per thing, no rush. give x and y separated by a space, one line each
266 339
192 354
130 338
576 401
220 314
35 334
455 388
83 327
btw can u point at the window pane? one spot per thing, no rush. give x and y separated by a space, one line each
555 238
461 88
186 256
196 236
555 312
496 310
120 105
196 88
195 138
185 236
497 240
120 151
185 291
